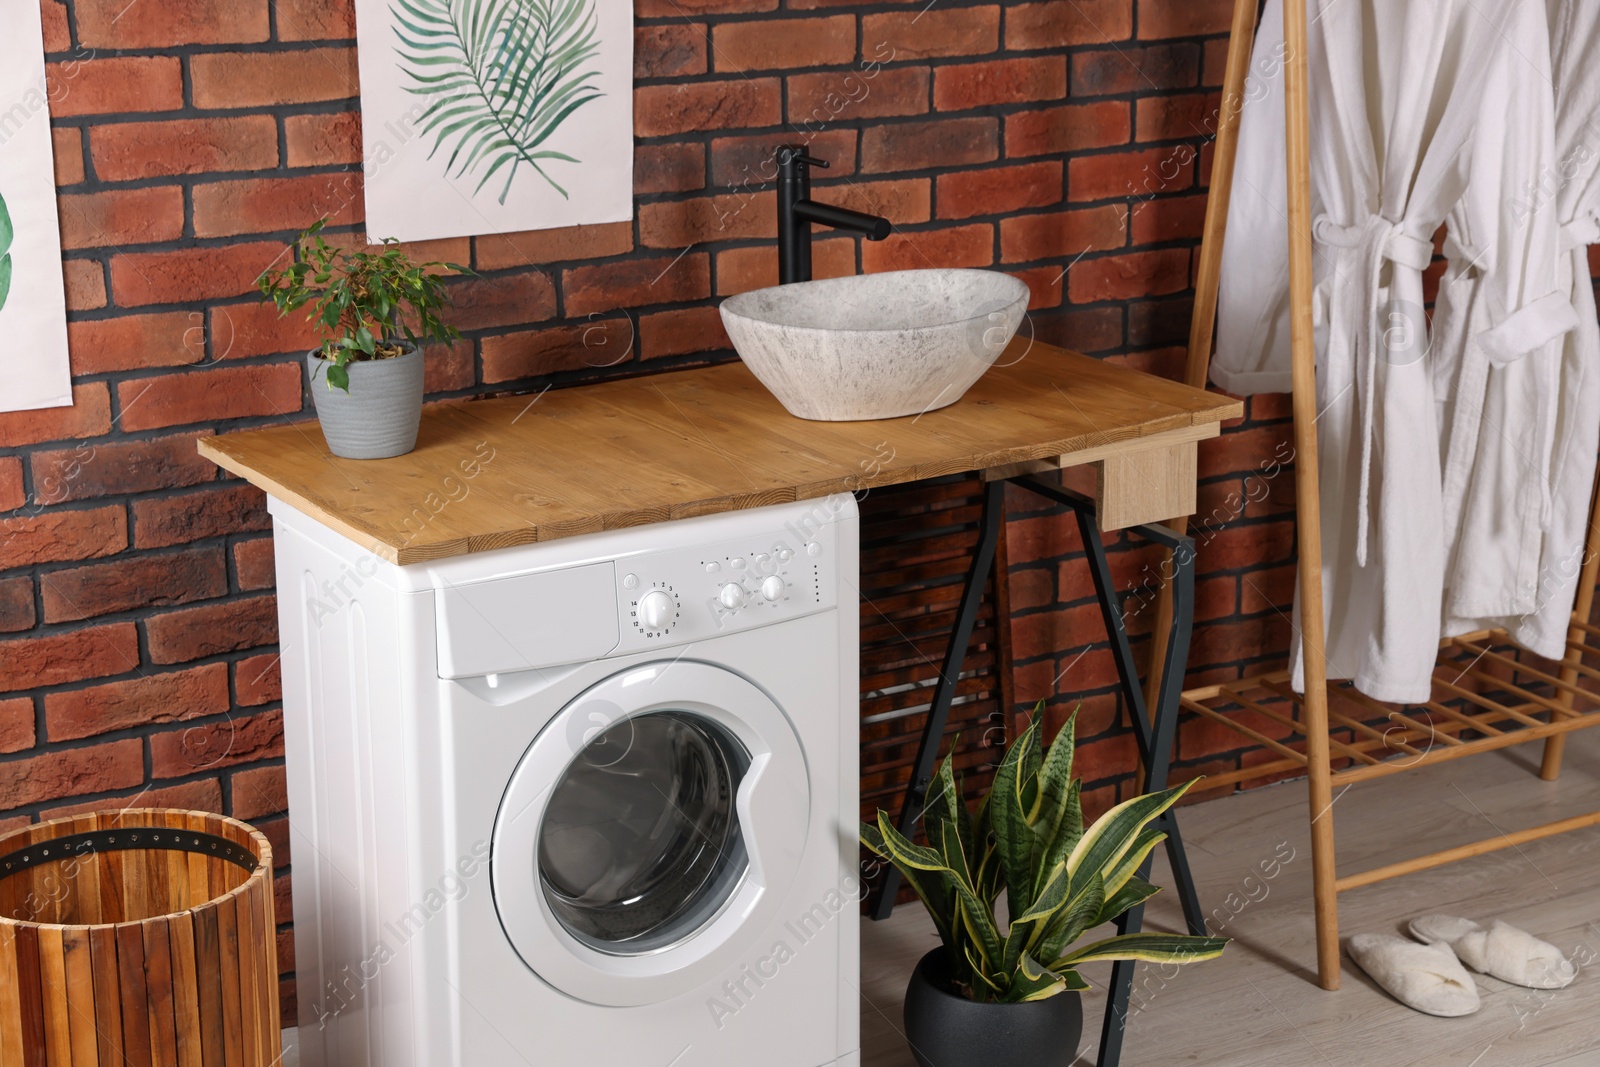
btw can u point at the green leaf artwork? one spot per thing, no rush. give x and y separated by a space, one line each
499 78
6 233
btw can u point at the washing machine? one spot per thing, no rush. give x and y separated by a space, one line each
585 802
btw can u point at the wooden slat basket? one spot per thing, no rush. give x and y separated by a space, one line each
142 938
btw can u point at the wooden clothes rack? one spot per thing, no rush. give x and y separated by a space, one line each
1521 716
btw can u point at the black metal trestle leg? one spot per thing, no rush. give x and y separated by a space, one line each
944 693
1156 735
1156 738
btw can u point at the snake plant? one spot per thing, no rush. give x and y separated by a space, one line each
1027 839
499 77
6 234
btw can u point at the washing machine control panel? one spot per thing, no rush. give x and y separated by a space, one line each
692 594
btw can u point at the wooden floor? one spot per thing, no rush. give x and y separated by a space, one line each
1259 1005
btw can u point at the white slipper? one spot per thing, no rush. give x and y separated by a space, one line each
1501 951
1428 978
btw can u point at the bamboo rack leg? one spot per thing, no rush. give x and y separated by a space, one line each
1555 747
1208 279
1297 106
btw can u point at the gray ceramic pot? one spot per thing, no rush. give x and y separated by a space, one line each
379 416
946 1030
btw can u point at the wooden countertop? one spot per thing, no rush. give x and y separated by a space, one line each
495 473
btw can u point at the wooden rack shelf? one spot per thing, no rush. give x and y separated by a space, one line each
1488 694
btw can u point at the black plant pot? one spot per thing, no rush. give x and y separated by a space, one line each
946 1030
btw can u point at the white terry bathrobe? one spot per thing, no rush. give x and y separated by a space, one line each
1402 94
1524 422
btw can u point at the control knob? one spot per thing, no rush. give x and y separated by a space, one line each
772 587
732 596
656 609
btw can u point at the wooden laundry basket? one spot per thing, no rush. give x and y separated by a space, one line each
141 938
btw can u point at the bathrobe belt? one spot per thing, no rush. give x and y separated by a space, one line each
1370 245
1529 329
1537 322
1581 232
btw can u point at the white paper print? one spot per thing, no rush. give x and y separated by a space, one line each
34 372
493 116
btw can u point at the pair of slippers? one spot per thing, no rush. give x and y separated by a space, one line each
1427 974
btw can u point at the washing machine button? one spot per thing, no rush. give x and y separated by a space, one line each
630 581
785 555
772 587
737 563
713 567
814 548
656 609
732 596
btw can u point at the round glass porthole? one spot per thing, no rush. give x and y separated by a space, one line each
640 844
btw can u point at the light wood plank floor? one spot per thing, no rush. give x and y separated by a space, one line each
1259 1005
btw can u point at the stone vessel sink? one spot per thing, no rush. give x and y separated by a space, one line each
875 346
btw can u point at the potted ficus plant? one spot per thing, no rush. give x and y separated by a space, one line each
377 310
1007 996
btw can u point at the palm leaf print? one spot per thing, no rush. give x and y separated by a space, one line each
499 77
6 233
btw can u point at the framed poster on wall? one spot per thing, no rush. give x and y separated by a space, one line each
34 372
494 116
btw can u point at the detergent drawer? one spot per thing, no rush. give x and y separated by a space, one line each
525 621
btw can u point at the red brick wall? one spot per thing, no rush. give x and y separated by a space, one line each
194 137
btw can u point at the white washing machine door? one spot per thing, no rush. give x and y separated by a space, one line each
650 833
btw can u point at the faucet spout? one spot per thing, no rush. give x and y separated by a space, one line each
842 218
797 212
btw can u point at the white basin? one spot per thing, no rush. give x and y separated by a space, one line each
875 346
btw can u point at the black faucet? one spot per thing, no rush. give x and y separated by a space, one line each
797 211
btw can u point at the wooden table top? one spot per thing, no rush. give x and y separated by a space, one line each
513 470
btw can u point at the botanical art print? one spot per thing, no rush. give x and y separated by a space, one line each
499 77
33 299
495 116
6 234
